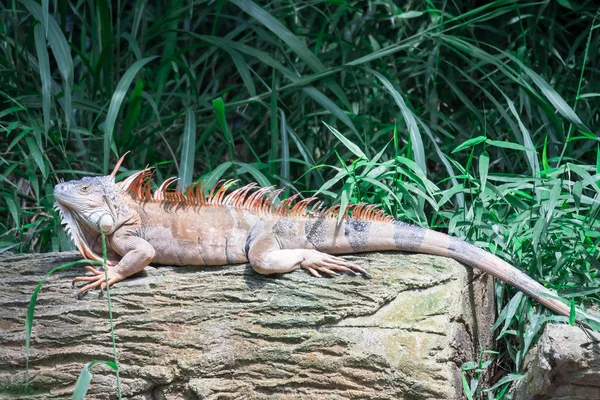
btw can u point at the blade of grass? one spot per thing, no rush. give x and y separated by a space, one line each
60 49
186 165
110 314
85 378
409 118
31 309
219 107
44 64
347 142
115 106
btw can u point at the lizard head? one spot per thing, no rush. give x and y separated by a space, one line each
88 202
90 206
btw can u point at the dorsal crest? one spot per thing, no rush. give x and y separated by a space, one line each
251 197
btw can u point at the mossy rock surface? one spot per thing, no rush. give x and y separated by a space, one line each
227 332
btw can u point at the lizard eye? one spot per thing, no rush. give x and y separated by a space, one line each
84 188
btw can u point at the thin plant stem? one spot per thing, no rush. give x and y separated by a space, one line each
110 315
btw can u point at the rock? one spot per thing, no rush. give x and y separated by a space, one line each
565 366
228 332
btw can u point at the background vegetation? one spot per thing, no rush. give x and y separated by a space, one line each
479 119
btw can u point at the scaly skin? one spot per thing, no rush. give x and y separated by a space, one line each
245 226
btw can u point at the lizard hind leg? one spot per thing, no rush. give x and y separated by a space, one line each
267 258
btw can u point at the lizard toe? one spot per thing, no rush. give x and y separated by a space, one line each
98 280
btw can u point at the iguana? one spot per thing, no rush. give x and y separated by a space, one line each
247 225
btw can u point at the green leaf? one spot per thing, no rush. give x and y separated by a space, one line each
44 65
85 378
330 106
409 14
297 45
12 207
243 70
219 107
31 309
351 146
188 147
345 198
83 382
60 50
257 176
466 388
484 164
468 143
557 101
133 110
409 118
506 379
508 313
572 312
532 159
587 178
36 154
508 145
275 26
545 163
115 106
211 179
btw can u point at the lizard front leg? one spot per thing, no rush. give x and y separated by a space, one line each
136 255
266 257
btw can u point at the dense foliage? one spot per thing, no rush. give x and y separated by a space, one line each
475 118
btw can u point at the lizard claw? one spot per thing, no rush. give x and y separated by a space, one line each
97 279
315 262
